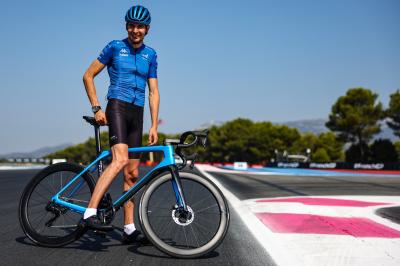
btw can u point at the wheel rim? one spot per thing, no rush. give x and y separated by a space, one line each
38 212
199 233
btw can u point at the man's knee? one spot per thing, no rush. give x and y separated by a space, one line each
120 163
131 174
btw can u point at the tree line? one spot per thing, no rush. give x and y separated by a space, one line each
354 120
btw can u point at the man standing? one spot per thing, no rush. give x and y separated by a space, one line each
130 64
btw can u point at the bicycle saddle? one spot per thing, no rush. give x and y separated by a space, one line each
91 120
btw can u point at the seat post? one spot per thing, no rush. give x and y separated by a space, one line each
97 137
98 149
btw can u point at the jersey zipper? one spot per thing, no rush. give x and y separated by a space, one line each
134 91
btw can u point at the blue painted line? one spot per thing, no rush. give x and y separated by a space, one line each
305 172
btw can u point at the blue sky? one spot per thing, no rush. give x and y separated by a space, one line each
218 60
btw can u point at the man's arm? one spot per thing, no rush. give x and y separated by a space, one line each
154 103
88 80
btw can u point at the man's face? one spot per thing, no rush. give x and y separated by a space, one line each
136 32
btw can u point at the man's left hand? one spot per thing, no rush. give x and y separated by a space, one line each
153 136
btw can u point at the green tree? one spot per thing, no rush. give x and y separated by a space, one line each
393 113
355 118
383 151
327 141
320 156
332 145
357 153
397 146
243 140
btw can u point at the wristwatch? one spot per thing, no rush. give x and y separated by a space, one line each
95 109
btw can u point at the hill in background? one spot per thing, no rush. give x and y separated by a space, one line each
36 153
317 126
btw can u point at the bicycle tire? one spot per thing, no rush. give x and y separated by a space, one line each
55 235
172 243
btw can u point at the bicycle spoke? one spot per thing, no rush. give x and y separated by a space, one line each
193 205
205 228
43 202
43 197
166 227
41 220
199 211
37 205
184 232
200 230
61 186
47 188
161 216
53 186
195 237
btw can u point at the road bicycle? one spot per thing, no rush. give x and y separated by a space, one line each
183 214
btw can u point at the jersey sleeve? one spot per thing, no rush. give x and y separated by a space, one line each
153 67
106 54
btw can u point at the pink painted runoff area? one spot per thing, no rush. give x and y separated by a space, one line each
326 202
316 224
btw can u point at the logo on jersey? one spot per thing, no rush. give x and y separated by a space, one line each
145 56
123 52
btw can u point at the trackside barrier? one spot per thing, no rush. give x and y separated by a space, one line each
338 165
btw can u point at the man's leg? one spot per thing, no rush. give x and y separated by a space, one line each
131 175
119 161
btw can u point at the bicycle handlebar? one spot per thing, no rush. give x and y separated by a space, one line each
203 135
198 136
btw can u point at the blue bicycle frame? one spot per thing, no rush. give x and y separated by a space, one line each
166 165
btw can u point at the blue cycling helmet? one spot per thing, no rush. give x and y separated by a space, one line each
138 14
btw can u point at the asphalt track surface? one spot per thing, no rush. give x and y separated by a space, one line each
238 248
248 186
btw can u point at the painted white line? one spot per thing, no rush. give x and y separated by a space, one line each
268 240
207 167
5 167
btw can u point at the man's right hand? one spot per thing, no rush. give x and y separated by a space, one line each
100 117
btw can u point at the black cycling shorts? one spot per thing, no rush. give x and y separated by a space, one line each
125 124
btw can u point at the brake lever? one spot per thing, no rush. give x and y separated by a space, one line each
193 159
204 142
192 164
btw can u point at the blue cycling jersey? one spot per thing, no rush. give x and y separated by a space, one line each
129 70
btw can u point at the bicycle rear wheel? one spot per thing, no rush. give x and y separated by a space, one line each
45 222
180 234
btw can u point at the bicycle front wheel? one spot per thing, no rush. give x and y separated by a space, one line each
184 234
45 222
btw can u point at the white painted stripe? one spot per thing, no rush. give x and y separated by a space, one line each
206 167
268 240
6 167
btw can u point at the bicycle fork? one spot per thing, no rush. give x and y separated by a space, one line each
177 186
